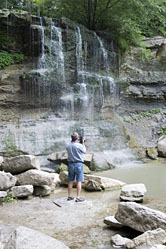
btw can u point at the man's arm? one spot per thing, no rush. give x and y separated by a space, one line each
83 144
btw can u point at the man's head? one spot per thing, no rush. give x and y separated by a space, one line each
74 136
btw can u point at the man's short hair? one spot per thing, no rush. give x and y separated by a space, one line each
74 136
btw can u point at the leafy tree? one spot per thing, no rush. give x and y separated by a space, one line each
129 20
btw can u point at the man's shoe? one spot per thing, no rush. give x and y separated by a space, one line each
79 200
70 198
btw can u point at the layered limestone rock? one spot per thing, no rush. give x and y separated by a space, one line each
139 217
133 192
112 222
19 164
22 191
142 82
34 177
7 180
148 239
16 237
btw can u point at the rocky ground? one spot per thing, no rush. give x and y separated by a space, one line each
78 225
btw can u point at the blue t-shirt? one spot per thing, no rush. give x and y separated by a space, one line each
75 151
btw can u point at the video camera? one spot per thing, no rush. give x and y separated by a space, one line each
81 139
81 136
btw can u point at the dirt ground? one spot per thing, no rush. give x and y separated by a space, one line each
78 225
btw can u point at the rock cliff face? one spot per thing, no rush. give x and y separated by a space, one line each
142 80
65 84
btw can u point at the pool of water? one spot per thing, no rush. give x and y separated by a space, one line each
152 174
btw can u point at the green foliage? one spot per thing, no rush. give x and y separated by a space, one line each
128 20
162 131
9 197
145 54
137 117
7 59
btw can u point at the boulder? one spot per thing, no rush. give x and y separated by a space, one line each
148 239
133 192
92 185
101 162
112 222
61 157
119 241
161 146
56 180
64 167
104 182
22 191
58 157
95 183
3 194
19 164
1 161
26 238
43 190
88 160
153 42
34 177
5 233
139 217
158 247
152 153
7 180
63 176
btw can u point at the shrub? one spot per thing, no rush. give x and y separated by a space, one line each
7 59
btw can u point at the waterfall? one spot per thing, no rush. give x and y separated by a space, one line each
56 48
104 53
81 81
51 59
42 59
73 79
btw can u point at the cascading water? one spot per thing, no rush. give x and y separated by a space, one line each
72 82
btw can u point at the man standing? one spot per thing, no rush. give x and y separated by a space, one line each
75 165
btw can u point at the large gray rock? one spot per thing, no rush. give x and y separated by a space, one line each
154 42
5 233
92 185
55 180
25 238
58 157
112 222
1 161
34 177
148 239
119 241
3 194
133 192
7 180
43 190
104 182
61 157
22 191
158 247
139 217
19 164
95 183
152 153
162 146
